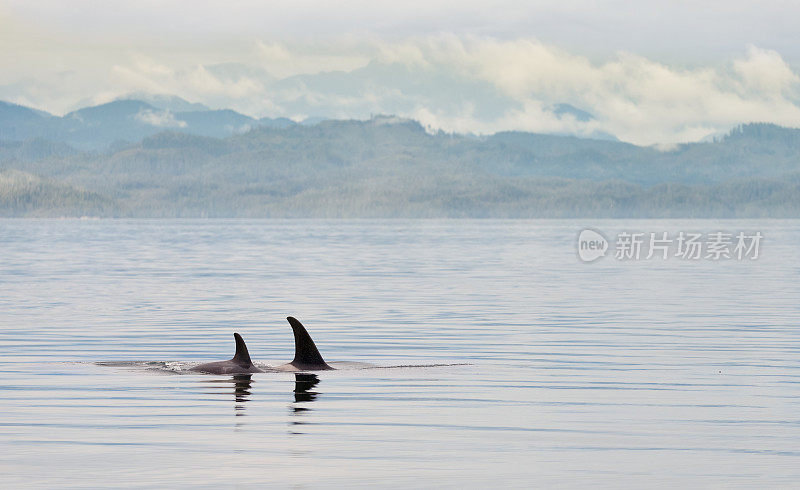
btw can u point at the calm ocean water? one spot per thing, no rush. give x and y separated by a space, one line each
615 373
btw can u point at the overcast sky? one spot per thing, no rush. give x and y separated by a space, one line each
648 72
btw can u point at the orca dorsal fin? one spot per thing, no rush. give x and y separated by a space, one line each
305 351
241 356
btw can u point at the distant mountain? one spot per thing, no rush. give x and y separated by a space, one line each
14 113
278 122
132 120
108 125
96 127
110 113
216 123
127 120
311 121
567 109
393 167
413 87
20 123
171 103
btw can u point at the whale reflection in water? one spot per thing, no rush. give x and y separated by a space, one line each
241 389
303 384
241 383
303 393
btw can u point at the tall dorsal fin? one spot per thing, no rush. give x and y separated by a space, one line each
305 351
241 356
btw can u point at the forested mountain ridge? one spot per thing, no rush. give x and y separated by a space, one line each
123 121
391 167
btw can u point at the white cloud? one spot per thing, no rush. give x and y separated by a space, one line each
447 81
637 99
765 73
161 119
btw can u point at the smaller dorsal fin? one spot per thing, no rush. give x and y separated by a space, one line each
305 351
241 356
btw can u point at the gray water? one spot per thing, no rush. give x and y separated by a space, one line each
614 373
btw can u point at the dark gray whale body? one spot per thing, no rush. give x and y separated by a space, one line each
306 355
239 364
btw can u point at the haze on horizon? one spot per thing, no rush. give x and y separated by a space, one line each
662 74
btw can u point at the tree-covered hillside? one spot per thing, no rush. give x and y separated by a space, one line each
388 167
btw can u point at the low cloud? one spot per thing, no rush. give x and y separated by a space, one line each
161 119
764 72
637 99
452 83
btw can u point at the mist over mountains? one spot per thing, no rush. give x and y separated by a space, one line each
126 121
166 157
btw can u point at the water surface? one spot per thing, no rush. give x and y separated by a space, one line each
656 373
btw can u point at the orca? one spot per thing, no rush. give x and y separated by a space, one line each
239 364
306 355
